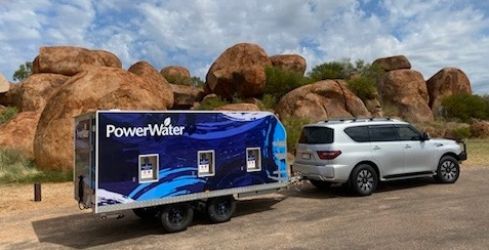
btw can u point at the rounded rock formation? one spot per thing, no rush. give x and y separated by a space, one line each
240 70
406 90
295 63
444 83
185 96
392 63
33 93
96 88
175 72
18 133
4 84
320 101
480 129
144 70
239 107
69 61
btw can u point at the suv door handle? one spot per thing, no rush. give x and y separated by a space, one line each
376 148
407 146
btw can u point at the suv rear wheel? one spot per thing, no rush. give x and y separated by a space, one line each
363 180
448 170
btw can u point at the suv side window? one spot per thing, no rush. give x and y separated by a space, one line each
383 133
408 133
358 134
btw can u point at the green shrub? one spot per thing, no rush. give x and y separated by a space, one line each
212 103
461 132
293 126
331 70
7 114
16 168
268 102
280 82
465 106
182 80
364 87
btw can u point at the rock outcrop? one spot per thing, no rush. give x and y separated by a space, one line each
444 83
480 129
96 88
185 96
392 63
294 63
18 133
406 90
69 61
320 101
239 107
240 70
177 72
374 107
155 80
4 84
33 93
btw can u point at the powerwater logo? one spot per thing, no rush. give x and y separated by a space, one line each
163 129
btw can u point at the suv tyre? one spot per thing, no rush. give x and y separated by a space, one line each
448 170
363 180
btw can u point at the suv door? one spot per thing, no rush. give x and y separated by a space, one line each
386 149
418 155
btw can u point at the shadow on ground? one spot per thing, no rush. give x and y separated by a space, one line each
74 230
304 189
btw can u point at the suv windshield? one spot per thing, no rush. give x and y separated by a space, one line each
316 135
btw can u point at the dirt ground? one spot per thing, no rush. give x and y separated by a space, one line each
414 214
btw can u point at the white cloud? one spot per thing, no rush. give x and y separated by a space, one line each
433 34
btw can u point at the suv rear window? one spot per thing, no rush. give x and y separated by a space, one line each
358 134
316 135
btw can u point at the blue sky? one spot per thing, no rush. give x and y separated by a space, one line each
432 34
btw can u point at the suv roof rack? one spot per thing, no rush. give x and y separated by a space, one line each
354 119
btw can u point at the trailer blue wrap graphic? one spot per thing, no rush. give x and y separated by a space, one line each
176 138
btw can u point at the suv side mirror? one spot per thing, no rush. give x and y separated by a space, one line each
425 136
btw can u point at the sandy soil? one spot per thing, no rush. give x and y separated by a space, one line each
16 198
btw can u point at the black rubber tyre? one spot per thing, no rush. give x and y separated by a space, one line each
448 170
220 209
176 217
323 185
146 213
363 180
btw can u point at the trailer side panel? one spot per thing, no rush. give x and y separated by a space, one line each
149 158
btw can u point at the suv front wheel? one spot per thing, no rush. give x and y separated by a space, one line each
363 180
448 170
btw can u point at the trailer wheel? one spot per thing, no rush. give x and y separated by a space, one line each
146 213
176 217
221 209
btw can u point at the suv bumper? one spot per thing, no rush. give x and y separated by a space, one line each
463 155
331 173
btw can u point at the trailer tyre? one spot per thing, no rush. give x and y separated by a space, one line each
221 209
146 213
176 218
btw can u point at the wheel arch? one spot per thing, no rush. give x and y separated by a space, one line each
452 154
370 163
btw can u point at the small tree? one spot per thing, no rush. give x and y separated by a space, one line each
24 71
465 106
331 70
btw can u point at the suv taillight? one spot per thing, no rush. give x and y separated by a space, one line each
328 155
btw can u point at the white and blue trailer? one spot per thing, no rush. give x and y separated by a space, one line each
165 164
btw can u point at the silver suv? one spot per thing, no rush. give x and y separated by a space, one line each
362 152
